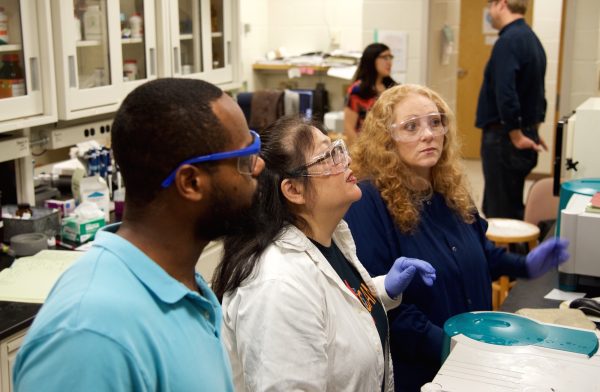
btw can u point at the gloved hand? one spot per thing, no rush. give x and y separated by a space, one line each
402 273
549 254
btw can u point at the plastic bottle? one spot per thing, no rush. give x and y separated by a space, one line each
130 69
135 24
24 211
78 36
92 23
12 83
3 27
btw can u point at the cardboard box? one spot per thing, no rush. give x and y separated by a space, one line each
64 206
80 231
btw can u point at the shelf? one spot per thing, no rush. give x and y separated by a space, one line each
285 67
87 43
183 37
10 48
126 41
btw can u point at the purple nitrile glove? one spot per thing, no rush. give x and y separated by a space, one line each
549 254
402 273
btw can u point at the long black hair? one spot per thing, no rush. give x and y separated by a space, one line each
285 144
367 73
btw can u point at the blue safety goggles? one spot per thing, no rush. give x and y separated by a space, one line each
247 158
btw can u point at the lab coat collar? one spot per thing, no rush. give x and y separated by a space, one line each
293 238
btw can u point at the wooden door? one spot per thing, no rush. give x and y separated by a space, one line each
474 51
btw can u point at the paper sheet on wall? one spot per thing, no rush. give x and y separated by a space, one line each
398 44
30 279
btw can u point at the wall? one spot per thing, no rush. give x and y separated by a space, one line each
410 16
546 24
581 54
298 25
442 77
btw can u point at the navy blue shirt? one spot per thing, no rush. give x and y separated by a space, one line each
465 263
512 92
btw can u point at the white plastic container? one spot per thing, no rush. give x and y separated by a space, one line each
130 70
135 24
78 36
3 27
92 23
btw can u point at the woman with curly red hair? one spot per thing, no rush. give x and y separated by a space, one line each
416 203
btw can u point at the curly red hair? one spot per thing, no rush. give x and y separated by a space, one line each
375 156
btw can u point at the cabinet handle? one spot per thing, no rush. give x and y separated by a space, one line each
72 77
35 73
152 62
176 59
228 52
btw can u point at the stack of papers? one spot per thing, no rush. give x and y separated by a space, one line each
594 205
30 279
476 366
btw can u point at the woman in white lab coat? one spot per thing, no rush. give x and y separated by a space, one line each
300 311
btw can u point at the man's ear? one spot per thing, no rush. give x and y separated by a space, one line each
293 190
191 182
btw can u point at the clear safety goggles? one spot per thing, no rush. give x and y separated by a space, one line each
333 161
412 129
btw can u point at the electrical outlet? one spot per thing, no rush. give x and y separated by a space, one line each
64 137
336 37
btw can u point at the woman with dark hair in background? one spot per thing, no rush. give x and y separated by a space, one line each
300 311
371 79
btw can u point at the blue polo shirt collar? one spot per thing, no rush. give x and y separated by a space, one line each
156 279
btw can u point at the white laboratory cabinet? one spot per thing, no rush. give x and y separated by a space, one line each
200 36
80 58
94 45
27 89
8 353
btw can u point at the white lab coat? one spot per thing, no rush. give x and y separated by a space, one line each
294 325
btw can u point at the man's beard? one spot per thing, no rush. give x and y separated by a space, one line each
223 215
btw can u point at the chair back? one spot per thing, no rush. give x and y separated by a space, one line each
541 203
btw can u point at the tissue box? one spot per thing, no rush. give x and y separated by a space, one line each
80 231
43 220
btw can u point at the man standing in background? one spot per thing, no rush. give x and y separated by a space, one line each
510 109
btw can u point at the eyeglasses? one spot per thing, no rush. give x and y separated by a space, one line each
333 161
412 129
387 57
246 156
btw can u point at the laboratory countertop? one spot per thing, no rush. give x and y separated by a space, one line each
530 293
14 316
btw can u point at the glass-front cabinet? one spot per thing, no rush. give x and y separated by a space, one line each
72 59
22 42
201 39
102 53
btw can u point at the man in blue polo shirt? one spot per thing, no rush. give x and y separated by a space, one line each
132 314
510 109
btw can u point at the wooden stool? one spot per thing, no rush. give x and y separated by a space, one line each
504 232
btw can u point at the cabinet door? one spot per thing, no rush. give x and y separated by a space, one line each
201 39
88 56
8 353
138 42
218 19
20 79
